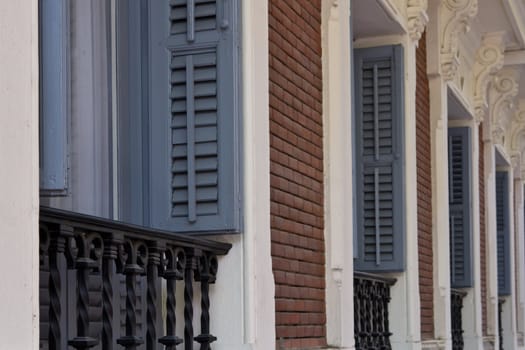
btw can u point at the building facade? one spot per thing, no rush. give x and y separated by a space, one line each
325 174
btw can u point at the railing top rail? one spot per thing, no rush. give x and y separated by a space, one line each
373 277
460 292
102 225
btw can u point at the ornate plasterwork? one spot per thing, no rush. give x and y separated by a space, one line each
498 135
520 112
503 91
489 60
515 160
456 16
417 18
517 131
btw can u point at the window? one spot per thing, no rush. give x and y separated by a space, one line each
503 232
379 158
171 155
53 90
459 195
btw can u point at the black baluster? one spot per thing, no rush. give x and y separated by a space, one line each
357 312
43 251
57 262
108 279
206 274
84 264
176 262
191 264
136 254
152 294
43 245
386 325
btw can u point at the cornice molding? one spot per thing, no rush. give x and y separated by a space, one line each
417 18
489 60
456 16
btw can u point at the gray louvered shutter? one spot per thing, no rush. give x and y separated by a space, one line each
379 137
53 96
460 207
194 121
503 233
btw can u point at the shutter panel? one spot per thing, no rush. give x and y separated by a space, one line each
503 234
195 182
53 92
459 207
379 158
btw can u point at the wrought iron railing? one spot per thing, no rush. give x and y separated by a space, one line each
108 285
456 305
371 320
501 301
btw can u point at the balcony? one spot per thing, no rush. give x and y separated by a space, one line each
108 285
371 299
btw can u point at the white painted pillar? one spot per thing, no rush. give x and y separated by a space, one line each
440 219
472 304
19 258
508 318
337 114
439 155
520 259
491 239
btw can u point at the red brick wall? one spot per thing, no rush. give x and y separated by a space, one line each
424 193
482 232
296 166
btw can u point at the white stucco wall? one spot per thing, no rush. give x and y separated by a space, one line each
19 175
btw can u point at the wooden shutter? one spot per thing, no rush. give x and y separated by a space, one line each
194 116
459 194
379 133
53 96
503 233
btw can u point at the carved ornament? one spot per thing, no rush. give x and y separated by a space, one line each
489 60
417 18
504 89
456 15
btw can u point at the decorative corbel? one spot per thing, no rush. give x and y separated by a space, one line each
520 113
515 160
489 60
456 15
517 132
498 135
417 18
502 93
